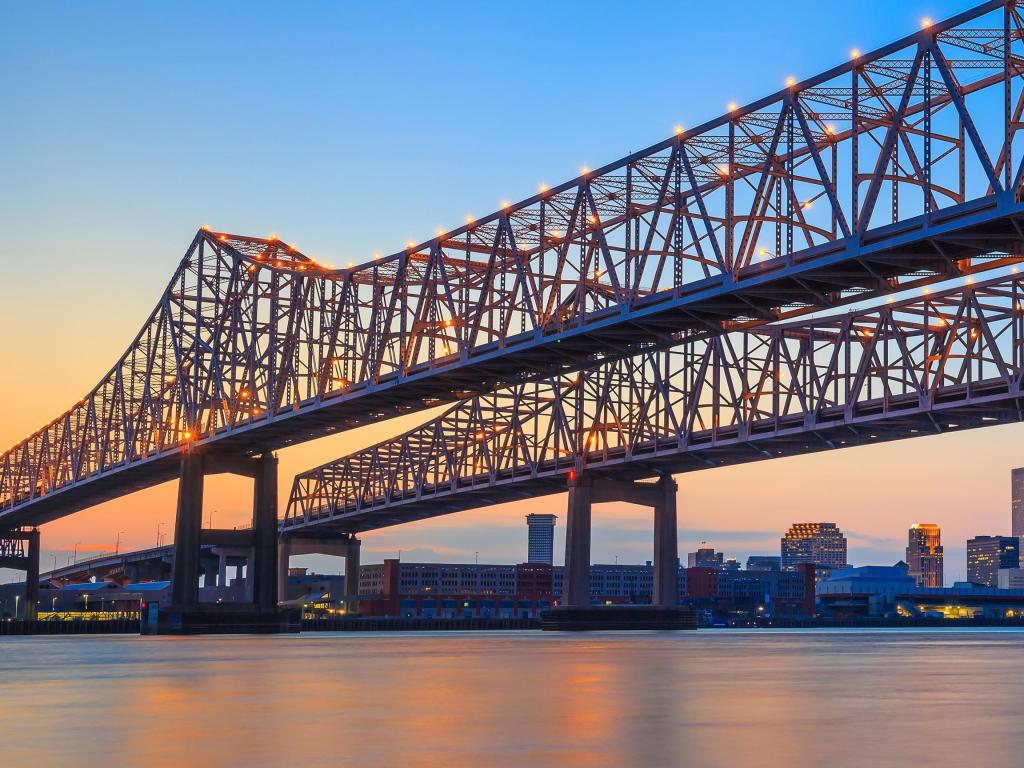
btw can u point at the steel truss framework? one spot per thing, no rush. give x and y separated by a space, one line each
939 362
900 167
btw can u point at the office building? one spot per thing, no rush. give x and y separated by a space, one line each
820 543
541 534
705 557
924 555
764 563
987 554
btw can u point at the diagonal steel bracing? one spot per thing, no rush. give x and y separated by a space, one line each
899 167
939 362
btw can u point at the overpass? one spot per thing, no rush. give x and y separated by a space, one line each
895 169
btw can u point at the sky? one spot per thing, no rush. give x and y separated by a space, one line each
353 128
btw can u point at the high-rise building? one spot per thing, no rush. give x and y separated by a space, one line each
987 554
541 538
820 543
705 557
1017 502
924 555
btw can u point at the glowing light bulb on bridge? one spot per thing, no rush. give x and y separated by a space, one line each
855 53
926 22
543 188
733 106
790 81
679 130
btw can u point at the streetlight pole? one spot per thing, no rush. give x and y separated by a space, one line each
117 544
75 554
158 527
16 599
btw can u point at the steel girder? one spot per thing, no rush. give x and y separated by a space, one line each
938 362
899 167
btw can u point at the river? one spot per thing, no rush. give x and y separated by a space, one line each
712 698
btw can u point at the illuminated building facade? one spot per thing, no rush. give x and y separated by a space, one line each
820 543
987 554
924 554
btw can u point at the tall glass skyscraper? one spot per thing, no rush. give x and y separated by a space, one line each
541 543
820 543
924 554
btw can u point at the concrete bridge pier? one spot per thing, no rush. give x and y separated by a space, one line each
576 576
258 543
586 490
344 545
666 544
19 550
188 523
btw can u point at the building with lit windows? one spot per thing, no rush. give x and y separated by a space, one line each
924 555
820 543
986 555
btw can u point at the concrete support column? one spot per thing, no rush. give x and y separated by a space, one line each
222 570
263 566
352 576
284 553
666 546
576 578
32 576
188 525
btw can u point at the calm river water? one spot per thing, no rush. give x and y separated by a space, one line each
710 698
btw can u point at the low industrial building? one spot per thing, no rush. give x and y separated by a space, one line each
890 591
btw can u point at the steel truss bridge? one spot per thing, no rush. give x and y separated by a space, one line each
898 169
939 362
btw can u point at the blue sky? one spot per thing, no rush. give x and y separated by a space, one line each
349 129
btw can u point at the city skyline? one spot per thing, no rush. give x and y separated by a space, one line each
716 505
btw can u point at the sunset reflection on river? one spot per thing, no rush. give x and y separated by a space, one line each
710 698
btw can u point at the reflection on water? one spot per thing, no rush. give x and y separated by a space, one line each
711 698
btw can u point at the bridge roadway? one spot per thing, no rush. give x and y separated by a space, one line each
893 169
938 362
